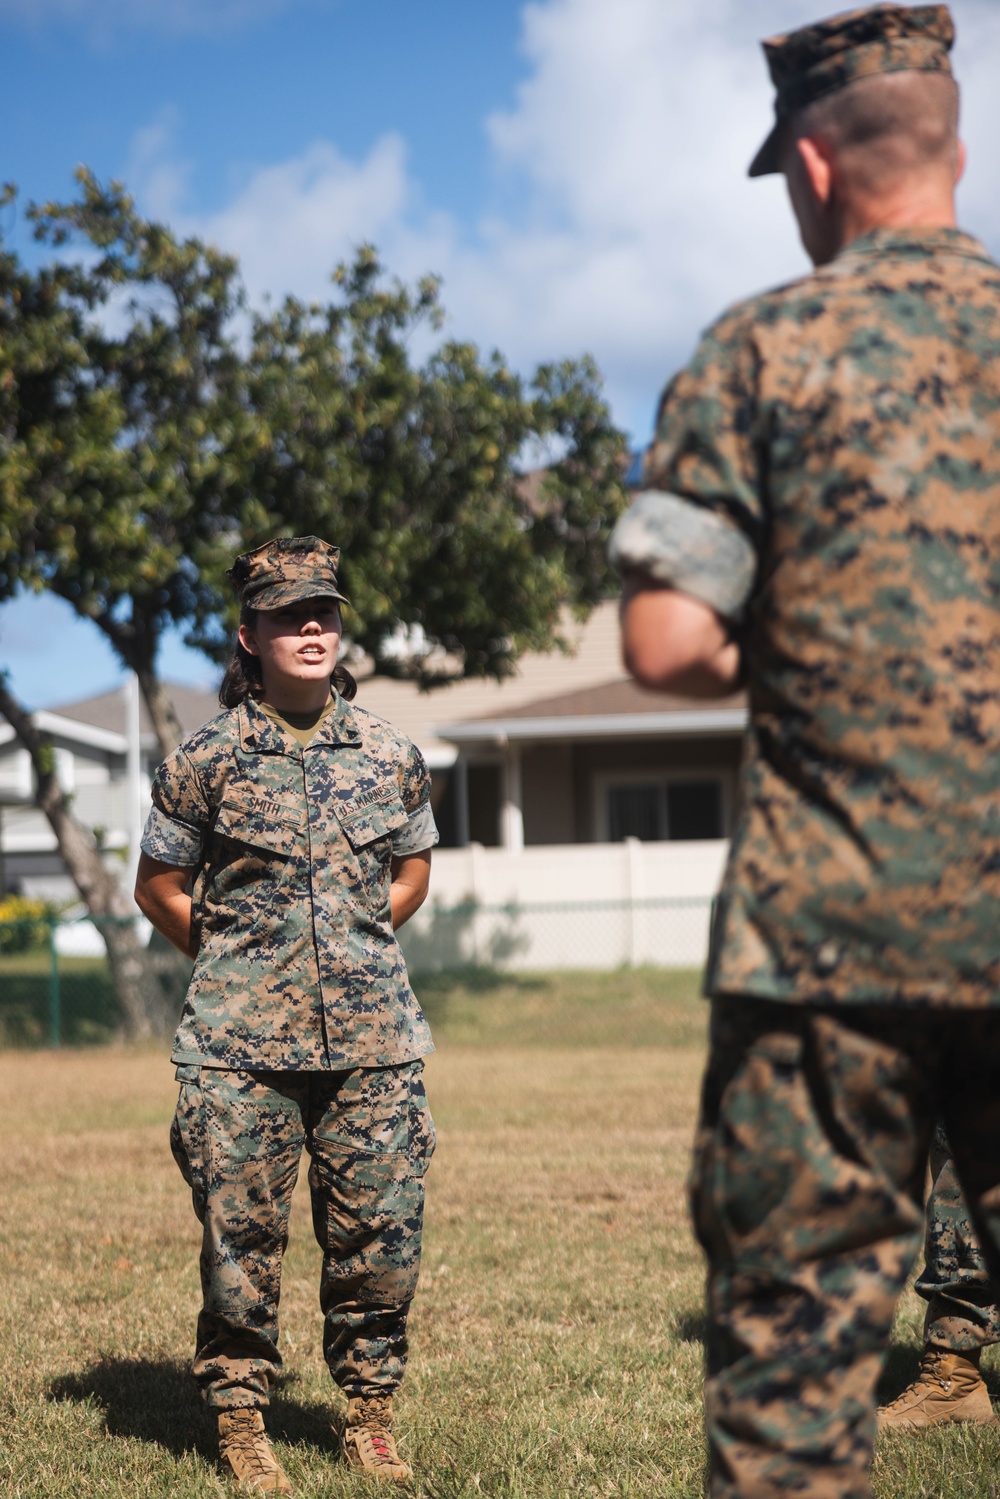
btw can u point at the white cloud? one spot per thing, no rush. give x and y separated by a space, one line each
153 164
628 219
293 222
977 61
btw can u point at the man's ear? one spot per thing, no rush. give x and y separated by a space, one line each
247 641
817 162
960 160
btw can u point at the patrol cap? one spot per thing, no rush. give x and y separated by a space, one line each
286 570
816 60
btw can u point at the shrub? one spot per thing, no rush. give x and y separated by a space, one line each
24 923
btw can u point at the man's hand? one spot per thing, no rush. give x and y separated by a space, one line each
674 642
162 895
411 876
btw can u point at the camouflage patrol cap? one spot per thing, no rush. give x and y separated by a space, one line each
816 60
286 570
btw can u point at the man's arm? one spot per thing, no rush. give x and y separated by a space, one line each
674 642
162 893
411 876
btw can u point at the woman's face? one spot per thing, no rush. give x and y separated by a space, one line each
297 646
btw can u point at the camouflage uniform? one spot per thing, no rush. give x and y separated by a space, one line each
963 1314
834 451
299 1029
297 963
238 1137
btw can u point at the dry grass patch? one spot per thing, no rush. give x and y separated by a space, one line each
556 1333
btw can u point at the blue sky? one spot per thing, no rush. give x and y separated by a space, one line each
574 169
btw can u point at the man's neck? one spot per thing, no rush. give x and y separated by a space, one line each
864 216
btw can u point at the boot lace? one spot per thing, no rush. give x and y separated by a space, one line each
370 1428
928 1373
252 1447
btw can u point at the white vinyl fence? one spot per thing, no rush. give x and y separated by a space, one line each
569 906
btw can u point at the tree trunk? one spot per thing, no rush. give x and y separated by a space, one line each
131 979
166 724
100 891
136 644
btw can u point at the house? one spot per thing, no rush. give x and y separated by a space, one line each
564 780
570 751
91 747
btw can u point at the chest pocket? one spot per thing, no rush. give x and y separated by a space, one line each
380 820
264 825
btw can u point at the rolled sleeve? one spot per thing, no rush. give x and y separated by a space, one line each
416 781
176 827
419 834
699 522
686 547
170 841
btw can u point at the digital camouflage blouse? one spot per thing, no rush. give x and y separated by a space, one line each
298 966
826 473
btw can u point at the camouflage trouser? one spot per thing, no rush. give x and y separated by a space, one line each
238 1139
807 1198
962 1314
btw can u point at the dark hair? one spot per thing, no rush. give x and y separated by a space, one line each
242 677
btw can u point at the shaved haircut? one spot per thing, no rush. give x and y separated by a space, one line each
887 127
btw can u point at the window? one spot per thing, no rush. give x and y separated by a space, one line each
694 809
485 793
636 812
661 809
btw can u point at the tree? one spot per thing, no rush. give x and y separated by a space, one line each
119 445
151 427
415 473
133 978
141 460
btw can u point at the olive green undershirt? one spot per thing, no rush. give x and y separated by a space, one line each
301 726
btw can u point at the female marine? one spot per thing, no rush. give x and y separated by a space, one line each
289 838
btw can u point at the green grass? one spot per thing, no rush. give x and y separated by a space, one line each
556 1335
86 1001
630 1007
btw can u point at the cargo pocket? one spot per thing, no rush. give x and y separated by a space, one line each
369 1153
189 1138
752 1158
423 1135
252 853
368 1218
370 824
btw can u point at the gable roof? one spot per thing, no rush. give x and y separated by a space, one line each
619 708
578 695
192 705
595 656
622 696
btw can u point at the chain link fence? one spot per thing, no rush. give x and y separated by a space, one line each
56 986
601 934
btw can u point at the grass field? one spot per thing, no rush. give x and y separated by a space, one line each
86 1001
556 1336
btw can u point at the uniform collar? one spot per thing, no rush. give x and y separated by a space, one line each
917 244
263 736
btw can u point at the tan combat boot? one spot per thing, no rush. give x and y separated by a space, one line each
245 1452
948 1387
367 1442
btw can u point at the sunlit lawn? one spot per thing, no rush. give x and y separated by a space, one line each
556 1337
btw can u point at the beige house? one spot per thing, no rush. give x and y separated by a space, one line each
570 751
566 782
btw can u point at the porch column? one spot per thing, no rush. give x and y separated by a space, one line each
511 814
460 783
134 816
